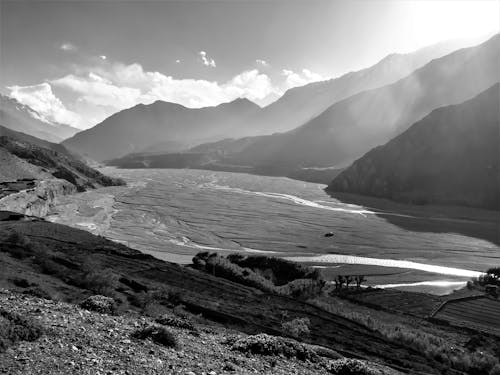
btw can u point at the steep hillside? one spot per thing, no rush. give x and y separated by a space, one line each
161 125
450 156
19 117
351 127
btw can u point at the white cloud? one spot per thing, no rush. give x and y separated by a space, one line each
178 61
293 79
262 62
207 61
67 47
94 93
45 103
103 57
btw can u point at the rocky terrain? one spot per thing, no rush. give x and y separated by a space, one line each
450 156
78 341
34 172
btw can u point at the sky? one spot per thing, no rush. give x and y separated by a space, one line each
77 62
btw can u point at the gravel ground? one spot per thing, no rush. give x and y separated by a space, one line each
78 341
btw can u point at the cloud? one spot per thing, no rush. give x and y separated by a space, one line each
41 98
103 57
67 47
207 61
293 79
177 61
262 62
96 92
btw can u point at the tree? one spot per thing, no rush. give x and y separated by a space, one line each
360 279
348 279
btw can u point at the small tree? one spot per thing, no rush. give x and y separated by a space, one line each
360 279
297 327
348 279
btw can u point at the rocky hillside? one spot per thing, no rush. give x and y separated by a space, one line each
22 118
450 156
33 172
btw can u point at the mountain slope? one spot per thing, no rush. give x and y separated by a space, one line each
21 118
450 156
351 127
161 125
25 157
301 104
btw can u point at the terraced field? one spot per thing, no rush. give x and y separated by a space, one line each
416 304
481 313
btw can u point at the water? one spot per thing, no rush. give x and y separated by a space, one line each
173 214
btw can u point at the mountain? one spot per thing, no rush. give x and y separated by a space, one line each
353 126
301 104
24 157
161 125
22 118
450 156
167 127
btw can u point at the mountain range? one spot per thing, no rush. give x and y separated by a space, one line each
450 156
22 118
162 126
351 127
167 127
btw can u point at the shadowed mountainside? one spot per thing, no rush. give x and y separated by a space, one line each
450 156
19 117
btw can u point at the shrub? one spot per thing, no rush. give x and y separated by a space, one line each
175 321
158 334
100 304
271 345
18 246
102 282
21 283
297 327
495 370
347 366
38 292
14 327
283 271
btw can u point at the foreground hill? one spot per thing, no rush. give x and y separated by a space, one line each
55 260
161 125
450 156
353 126
21 118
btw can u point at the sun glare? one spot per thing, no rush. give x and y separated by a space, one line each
434 21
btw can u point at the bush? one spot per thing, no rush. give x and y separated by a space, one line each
297 327
283 271
158 334
101 282
175 321
347 366
18 246
14 328
38 292
100 304
276 346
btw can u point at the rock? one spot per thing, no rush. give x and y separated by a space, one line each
98 303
